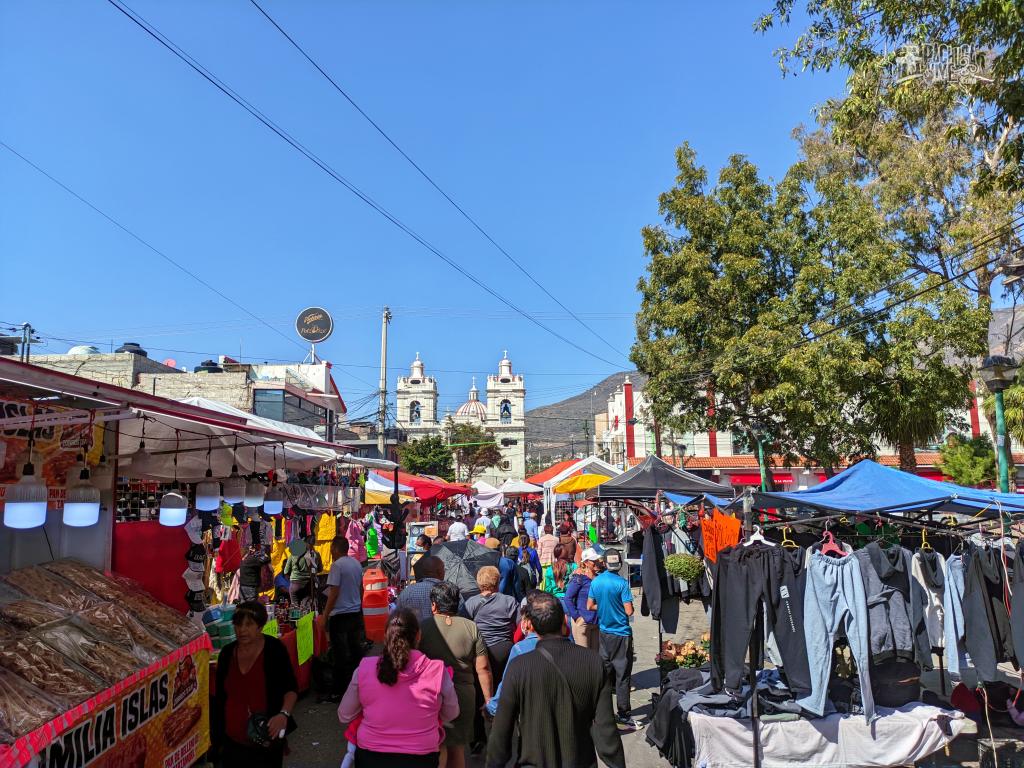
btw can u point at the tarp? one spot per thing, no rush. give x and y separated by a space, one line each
462 559
868 486
383 498
377 482
518 488
580 483
717 501
431 490
487 496
652 475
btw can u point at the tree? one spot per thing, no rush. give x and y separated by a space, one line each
970 461
429 455
475 450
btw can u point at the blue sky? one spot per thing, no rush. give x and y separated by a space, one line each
552 123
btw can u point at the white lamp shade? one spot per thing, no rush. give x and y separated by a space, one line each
234 487
173 509
208 494
25 501
273 502
82 505
254 493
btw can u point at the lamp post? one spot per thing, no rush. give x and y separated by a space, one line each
998 372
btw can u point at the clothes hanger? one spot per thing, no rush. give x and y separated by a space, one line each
829 546
787 542
925 546
757 536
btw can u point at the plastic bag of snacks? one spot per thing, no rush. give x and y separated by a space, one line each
105 660
118 626
47 587
23 707
43 667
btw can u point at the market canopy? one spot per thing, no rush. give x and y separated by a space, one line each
646 479
870 487
580 483
431 490
487 496
382 498
518 488
718 501
378 482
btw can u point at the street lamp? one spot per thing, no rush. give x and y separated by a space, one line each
999 372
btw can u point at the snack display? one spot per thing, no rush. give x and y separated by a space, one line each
117 625
47 587
106 661
29 614
162 619
23 708
34 661
89 578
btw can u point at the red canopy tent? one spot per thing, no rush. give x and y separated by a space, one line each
430 490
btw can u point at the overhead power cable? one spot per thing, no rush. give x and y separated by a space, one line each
326 168
176 264
430 179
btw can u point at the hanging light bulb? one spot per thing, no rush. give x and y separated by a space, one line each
234 485
82 504
273 501
208 490
25 500
254 493
174 506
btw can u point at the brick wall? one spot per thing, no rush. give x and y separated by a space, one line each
234 388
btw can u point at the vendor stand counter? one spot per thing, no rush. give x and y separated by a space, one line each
93 671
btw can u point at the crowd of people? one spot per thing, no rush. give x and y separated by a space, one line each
526 669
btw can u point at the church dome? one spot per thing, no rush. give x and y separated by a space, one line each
416 374
473 408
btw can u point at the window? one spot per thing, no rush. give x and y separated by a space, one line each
414 412
505 412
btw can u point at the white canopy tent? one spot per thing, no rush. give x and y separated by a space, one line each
519 488
487 496
591 464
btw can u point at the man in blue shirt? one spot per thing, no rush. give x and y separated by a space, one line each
612 599
531 527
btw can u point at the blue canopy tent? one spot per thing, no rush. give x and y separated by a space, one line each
870 487
718 501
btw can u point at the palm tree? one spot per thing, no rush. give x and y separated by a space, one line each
907 416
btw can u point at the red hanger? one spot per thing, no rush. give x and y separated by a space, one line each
830 547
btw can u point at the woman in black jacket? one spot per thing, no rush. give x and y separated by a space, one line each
254 677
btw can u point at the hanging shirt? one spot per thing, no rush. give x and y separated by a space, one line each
719 531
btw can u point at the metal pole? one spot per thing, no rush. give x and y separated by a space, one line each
760 462
382 407
1004 472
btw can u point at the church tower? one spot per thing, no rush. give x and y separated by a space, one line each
416 401
506 418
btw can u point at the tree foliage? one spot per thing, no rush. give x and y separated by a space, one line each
475 450
968 461
430 455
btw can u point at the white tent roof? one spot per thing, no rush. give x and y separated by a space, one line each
514 487
593 463
487 496
377 482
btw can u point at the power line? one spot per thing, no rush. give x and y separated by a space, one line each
429 179
137 238
364 197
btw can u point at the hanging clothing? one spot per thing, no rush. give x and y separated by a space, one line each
987 634
834 599
326 529
1017 605
928 568
953 614
718 532
895 605
751 579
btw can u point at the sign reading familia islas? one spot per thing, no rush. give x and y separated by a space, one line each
314 324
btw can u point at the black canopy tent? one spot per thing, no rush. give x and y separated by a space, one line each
651 476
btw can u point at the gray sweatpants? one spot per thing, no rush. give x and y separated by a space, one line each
834 599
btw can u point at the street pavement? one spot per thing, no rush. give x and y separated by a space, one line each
318 743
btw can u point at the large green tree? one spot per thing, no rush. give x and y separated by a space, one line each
475 450
968 462
430 455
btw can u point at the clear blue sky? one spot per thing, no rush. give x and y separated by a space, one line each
552 123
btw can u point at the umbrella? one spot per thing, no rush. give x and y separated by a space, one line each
580 483
462 559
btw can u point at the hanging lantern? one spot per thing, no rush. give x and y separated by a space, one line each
234 485
82 505
141 460
273 502
173 508
25 500
208 493
254 493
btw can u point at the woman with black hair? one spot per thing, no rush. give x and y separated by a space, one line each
403 698
256 694
458 643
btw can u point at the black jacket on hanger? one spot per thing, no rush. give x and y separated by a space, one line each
987 633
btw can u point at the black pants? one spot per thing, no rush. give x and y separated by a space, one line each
367 759
749 580
498 656
347 632
617 655
234 755
298 591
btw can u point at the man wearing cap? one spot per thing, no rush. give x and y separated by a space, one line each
582 619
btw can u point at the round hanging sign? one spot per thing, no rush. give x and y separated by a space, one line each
314 324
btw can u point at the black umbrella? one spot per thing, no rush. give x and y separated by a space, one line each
462 559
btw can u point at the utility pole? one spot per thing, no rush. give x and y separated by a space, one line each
385 318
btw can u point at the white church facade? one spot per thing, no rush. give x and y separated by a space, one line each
503 414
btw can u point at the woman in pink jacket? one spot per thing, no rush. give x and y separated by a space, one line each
404 699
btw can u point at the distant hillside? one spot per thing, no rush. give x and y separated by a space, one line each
552 430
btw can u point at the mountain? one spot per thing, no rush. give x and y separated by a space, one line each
554 430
